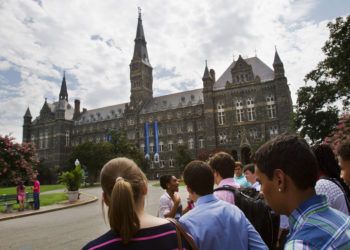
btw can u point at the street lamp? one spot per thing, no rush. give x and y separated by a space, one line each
77 163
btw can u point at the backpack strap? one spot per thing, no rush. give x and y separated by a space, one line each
180 232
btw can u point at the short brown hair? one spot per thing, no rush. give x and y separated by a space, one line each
199 177
223 163
249 167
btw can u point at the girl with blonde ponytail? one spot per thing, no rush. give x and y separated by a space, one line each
124 188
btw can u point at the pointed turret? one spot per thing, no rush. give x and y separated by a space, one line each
27 122
206 74
208 81
278 66
63 93
140 70
27 114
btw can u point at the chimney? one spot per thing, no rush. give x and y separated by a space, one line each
76 109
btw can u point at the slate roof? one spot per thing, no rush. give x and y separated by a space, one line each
259 68
174 101
104 113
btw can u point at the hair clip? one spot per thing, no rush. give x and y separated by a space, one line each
119 179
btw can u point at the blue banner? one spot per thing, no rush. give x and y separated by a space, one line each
156 142
146 141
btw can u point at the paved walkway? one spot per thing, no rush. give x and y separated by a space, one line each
83 199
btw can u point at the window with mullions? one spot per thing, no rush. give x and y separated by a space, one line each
221 113
271 106
239 111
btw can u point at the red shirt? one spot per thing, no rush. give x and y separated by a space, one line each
36 188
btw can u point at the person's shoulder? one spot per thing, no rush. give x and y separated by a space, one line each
108 236
164 197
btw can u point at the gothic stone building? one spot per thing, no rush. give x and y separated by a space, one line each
247 105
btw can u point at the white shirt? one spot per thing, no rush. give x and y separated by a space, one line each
256 186
334 194
165 206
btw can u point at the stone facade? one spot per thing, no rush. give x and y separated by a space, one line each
247 105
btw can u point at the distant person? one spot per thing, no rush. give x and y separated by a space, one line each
21 195
36 191
239 176
223 166
344 160
329 183
124 188
249 172
213 223
170 201
287 170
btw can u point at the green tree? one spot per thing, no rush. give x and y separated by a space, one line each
317 111
182 157
16 161
123 148
93 156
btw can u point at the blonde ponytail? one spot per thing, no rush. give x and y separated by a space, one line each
121 213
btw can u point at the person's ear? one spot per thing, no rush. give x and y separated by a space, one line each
280 179
105 199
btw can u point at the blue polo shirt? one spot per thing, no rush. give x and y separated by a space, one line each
216 224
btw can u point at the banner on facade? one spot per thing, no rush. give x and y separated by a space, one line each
146 141
156 142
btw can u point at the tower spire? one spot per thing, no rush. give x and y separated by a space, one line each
140 48
63 93
140 69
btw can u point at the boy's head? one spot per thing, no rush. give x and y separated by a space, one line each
238 169
285 166
249 172
223 166
199 178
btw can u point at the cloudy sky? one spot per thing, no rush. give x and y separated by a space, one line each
93 41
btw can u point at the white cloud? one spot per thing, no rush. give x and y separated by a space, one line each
40 38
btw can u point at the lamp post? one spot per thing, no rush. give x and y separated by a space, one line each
77 163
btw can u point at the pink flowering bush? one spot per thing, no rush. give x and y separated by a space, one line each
340 134
16 161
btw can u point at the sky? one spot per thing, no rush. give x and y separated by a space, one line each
93 41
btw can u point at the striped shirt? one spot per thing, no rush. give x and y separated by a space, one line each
314 225
158 237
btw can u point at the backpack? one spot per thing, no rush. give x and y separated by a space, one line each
260 215
342 187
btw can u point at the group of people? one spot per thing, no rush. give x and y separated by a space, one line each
290 175
21 193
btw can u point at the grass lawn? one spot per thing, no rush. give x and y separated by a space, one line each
43 188
45 200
